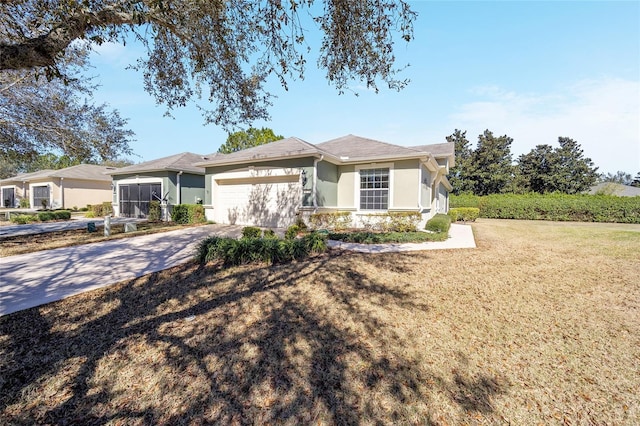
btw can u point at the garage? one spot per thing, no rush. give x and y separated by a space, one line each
267 201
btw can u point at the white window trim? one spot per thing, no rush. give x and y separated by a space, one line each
50 184
356 185
15 195
136 180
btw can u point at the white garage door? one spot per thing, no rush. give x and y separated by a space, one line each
268 201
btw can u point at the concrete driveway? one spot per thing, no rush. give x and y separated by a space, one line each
36 278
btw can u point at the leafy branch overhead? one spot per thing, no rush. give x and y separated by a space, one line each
220 50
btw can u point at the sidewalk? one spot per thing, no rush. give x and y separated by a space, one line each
36 278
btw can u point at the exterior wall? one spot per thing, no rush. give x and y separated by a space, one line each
191 188
55 197
305 163
346 187
79 193
406 178
425 188
327 185
443 199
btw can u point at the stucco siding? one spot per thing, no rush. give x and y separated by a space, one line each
346 188
425 188
406 178
78 193
191 188
327 185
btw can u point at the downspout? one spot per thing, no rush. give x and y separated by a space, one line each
178 187
62 192
315 178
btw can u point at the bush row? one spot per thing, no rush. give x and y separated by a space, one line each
41 216
366 237
250 249
561 207
384 222
188 213
465 214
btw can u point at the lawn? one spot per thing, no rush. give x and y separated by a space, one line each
538 325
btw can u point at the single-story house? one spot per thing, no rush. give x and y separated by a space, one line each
269 185
612 188
170 180
74 186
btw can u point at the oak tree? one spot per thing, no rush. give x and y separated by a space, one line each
221 50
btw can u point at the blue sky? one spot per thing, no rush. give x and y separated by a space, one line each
531 70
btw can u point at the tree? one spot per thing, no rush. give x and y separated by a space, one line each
244 139
620 177
563 169
228 48
491 163
572 172
39 116
535 169
460 174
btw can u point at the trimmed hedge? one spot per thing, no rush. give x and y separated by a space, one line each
100 210
560 207
268 250
464 213
439 223
188 213
335 220
387 237
155 211
46 216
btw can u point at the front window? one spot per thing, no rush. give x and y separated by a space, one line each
374 189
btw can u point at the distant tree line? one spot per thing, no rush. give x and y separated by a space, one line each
490 168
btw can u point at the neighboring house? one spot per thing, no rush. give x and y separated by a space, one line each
612 188
170 180
74 186
269 185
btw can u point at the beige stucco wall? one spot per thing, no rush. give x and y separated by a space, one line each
406 181
78 193
346 188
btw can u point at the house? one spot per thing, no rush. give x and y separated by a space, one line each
612 188
269 185
74 186
169 180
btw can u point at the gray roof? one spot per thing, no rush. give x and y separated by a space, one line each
611 188
349 148
81 171
289 147
438 150
179 162
356 147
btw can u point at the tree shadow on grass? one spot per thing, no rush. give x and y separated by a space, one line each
298 343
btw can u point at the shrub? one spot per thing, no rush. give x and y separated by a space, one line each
560 207
63 215
251 232
268 250
90 214
334 221
155 211
464 213
24 203
46 216
439 223
269 233
22 219
385 238
188 213
291 232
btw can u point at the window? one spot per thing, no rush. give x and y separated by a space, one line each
374 189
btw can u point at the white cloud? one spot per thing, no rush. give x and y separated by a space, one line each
602 115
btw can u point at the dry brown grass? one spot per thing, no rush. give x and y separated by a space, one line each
538 325
11 246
